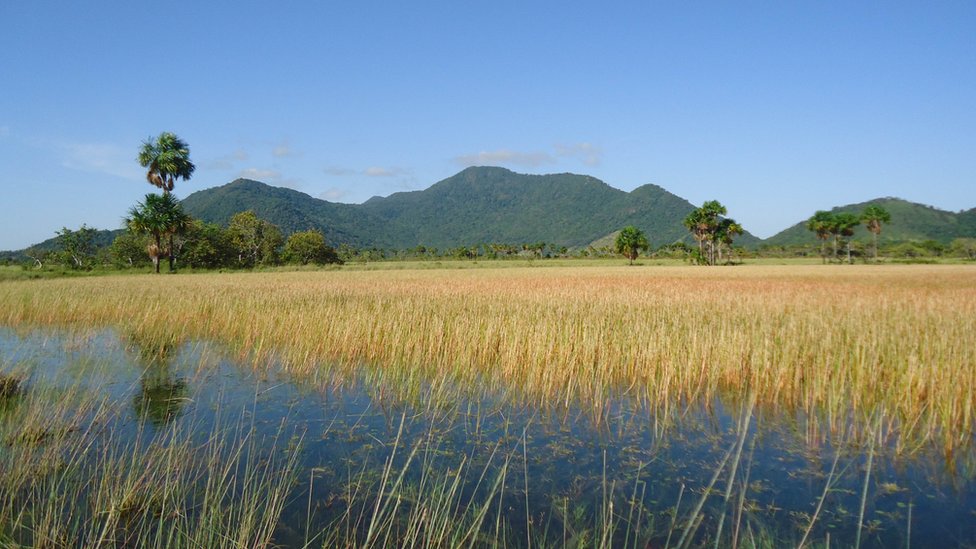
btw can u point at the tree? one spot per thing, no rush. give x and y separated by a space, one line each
255 240
630 241
309 247
964 247
704 225
167 159
205 245
873 217
843 226
160 217
37 256
77 247
821 224
129 249
726 231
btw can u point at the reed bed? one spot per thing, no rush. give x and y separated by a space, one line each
75 473
826 341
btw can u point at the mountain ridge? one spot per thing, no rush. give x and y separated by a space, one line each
491 204
910 221
476 205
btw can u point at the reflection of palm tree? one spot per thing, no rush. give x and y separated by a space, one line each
160 398
161 394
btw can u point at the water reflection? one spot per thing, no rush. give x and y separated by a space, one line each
715 473
162 393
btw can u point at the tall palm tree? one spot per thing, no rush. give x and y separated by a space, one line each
167 158
727 230
703 223
872 217
843 226
159 216
821 224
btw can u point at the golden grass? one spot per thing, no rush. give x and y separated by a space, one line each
824 340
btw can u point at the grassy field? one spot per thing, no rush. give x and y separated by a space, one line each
827 341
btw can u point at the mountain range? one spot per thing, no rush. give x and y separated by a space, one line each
477 205
489 204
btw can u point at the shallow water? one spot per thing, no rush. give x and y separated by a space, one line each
632 477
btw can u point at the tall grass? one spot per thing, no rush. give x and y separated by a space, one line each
74 474
825 341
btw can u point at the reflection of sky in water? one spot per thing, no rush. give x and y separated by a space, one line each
571 465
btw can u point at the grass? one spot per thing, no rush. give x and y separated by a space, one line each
868 353
72 474
825 340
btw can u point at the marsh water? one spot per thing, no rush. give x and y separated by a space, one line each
629 474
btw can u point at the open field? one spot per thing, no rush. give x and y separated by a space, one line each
827 341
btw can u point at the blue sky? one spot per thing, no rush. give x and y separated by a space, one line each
776 109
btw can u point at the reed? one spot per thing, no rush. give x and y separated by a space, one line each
827 341
72 473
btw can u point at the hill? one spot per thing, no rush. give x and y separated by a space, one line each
290 210
909 221
477 205
101 239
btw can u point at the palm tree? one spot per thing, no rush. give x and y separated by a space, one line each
727 230
166 159
703 223
158 216
820 224
630 242
843 225
697 224
872 217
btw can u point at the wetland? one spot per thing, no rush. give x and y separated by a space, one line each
562 407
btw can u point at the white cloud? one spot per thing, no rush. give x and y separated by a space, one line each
506 157
271 177
259 174
587 153
337 171
284 150
226 162
333 194
102 158
375 171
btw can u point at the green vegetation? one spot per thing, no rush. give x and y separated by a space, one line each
161 218
911 222
477 205
840 226
630 242
873 217
77 248
256 241
167 160
712 231
492 213
309 247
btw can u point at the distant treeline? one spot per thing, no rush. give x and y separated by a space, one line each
249 242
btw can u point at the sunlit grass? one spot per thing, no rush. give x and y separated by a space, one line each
829 341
